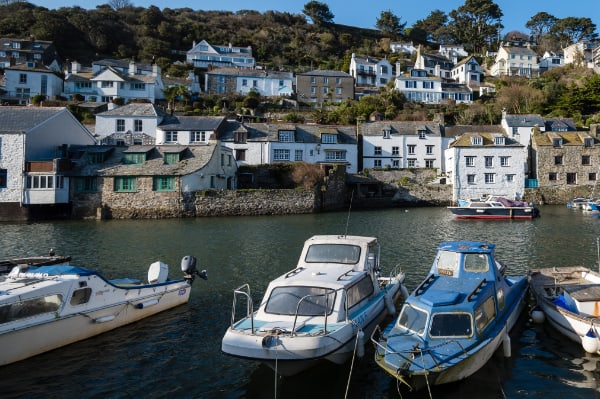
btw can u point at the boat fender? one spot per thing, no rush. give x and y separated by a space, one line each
389 303
404 292
360 343
537 315
590 341
146 304
506 345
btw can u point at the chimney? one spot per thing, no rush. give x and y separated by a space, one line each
132 67
75 67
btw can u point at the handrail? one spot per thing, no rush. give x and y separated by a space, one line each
422 286
325 315
243 290
476 290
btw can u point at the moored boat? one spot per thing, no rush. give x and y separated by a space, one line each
320 311
45 307
569 298
7 265
455 320
494 207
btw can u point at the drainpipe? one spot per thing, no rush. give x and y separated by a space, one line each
23 173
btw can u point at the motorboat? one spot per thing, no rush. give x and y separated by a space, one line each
455 320
319 311
569 299
494 207
51 258
579 203
45 307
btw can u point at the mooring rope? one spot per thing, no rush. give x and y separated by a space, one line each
352 364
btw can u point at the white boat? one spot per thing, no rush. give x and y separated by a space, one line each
455 320
569 298
7 265
45 307
319 311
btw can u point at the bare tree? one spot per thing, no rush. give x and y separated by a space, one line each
118 4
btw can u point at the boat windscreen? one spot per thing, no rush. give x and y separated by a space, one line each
333 253
451 325
412 319
307 301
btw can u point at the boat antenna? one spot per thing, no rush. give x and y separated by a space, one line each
349 209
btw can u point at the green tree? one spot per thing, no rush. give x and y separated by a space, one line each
540 24
318 12
571 30
476 23
435 26
389 24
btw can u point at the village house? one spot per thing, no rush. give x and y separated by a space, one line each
400 144
563 159
30 79
205 55
468 72
453 52
581 53
190 130
418 85
435 64
551 60
15 51
130 124
242 81
34 165
268 143
485 163
515 59
321 86
369 71
405 48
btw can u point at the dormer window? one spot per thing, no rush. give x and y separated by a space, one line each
588 142
387 133
557 142
286 136
422 134
499 140
476 140
328 138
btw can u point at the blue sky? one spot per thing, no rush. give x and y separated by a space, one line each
365 13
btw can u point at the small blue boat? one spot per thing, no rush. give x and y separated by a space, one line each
455 320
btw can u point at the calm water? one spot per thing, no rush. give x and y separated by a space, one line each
177 353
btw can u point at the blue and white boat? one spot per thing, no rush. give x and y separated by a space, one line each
455 320
322 310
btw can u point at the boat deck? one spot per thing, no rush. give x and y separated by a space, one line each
571 279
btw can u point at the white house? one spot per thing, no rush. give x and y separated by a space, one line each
520 127
34 171
406 48
480 164
266 83
434 64
581 53
267 143
133 123
26 80
551 60
515 59
400 144
204 54
369 71
189 130
468 71
419 86
453 52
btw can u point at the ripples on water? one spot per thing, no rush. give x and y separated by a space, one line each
177 353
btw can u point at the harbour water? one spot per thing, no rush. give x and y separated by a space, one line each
177 353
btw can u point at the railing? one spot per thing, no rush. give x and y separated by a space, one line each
243 290
531 183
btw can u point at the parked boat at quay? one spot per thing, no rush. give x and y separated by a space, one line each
46 307
494 207
320 310
569 298
454 321
7 265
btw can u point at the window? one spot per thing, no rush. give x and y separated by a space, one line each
3 178
44 182
318 301
558 160
429 163
377 151
592 176
335 155
106 84
504 161
470 160
422 134
395 164
240 137
22 78
313 90
125 184
136 158
286 136
411 149
137 125
571 178
585 160
451 325
359 291
552 176
120 125
240 155
489 162
171 158
410 84
254 83
338 90
138 86
163 183
412 162
88 184
387 133
490 178
196 137
212 182
30 307
476 140
81 296
395 150
510 178
244 82
222 159
325 79
327 138
428 85
470 179
499 140
313 79
429 149
298 155
280 154
413 319
170 137
377 163
485 314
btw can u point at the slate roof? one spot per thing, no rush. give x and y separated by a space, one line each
23 119
560 124
122 64
568 138
328 73
269 132
457 130
135 109
202 123
400 127
524 120
230 71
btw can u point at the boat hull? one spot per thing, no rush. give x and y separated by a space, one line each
54 332
493 213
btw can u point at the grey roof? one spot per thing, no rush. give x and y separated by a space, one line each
205 123
193 159
122 64
458 130
560 124
400 127
135 109
251 73
526 120
266 132
328 73
23 119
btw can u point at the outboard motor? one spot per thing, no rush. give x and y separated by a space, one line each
188 267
